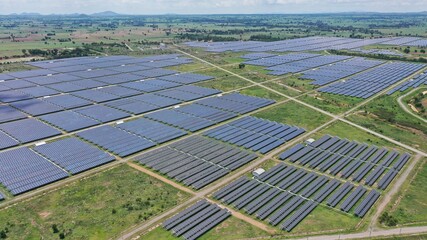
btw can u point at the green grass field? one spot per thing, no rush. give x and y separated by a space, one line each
99 207
294 114
411 208
385 116
263 93
225 83
331 102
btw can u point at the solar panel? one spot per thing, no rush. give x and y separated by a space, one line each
152 130
36 107
28 130
95 95
39 91
132 106
20 175
74 155
102 113
69 121
116 140
6 141
8 113
67 101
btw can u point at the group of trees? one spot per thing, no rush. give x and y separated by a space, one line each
378 56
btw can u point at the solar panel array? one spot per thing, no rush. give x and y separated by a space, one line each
196 161
115 140
255 134
74 155
316 43
284 195
411 83
351 160
196 220
236 103
22 170
305 64
331 73
373 81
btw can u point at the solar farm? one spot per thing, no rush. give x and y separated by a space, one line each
251 141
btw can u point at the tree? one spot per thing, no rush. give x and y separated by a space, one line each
423 51
242 66
24 51
407 50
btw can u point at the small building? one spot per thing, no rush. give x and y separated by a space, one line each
257 173
309 141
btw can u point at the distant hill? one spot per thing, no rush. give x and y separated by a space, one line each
105 14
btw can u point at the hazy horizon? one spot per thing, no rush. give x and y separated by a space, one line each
153 7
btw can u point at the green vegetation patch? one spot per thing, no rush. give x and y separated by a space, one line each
225 84
293 113
331 102
99 207
411 208
350 132
263 93
323 219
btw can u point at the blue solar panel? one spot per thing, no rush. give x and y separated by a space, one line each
102 113
152 130
151 73
69 121
95 95
36 107
8 113
119 78
119 91
74 155
115 140
88 83
17 84
28 130
57 78
132 106
13 96
67 101
23 170
6 141
31 73
185 121
180 95
65 87
157 100
39 91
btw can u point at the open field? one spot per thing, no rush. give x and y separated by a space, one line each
294 114
98 207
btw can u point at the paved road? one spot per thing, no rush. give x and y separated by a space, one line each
371 234
404 107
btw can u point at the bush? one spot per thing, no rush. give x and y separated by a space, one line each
388 220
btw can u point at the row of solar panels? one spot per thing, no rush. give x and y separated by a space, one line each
283 190
86 88
346 159
330 73
30 129
24 169
315 43
196 161
255 133
196 220
373 81
411 83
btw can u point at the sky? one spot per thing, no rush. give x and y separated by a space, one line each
209 6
